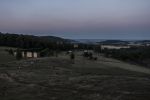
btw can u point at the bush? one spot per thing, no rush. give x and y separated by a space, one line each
95 58
134 54
10 51
46 52
72 56
86 54
90 55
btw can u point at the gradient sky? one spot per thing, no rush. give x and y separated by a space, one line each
100 19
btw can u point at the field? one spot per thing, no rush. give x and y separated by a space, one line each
58 78
4 56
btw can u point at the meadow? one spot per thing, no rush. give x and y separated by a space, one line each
57 78
5 56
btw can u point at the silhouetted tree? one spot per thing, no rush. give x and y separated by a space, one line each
18 54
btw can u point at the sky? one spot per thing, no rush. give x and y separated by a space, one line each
77 19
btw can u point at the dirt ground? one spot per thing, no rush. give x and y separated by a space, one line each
61 79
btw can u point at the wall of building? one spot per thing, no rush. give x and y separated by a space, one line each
35 54
28 54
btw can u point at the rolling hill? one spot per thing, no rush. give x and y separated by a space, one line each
30 41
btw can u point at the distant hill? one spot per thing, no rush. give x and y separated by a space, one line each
143 41
30 41
89 41
114 42
53 38
101 41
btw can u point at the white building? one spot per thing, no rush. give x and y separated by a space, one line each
28 54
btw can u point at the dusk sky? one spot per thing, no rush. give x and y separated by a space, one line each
99 19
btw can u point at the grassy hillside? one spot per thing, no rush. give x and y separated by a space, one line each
4 56
59 79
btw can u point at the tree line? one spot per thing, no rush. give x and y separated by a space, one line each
30 41
138 55
39 42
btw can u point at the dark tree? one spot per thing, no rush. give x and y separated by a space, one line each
18 54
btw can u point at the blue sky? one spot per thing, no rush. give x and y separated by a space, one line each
120 19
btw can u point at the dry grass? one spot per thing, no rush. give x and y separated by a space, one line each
4 56
59 79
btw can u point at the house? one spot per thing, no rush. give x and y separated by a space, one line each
28 53
75 45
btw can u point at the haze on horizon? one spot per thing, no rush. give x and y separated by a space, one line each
77 19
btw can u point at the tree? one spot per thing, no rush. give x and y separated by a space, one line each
10 51
46 52
98 49
18 54
90 56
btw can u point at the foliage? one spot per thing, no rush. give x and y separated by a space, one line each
10 51
29 41
46 52
72 56
97 49
18 54
134 54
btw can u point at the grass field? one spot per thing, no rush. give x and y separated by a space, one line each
59 79
4 56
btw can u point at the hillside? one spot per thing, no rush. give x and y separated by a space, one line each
30 41
114 42
54 38
59 79
4 56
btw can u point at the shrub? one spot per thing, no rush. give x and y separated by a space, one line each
10 51
72 56
46 52
95 58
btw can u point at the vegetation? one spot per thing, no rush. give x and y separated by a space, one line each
5 56
89 55
140 55
72 56
37 79
97 49
114 42
29 41
18 54
51 46
58 79
46 52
